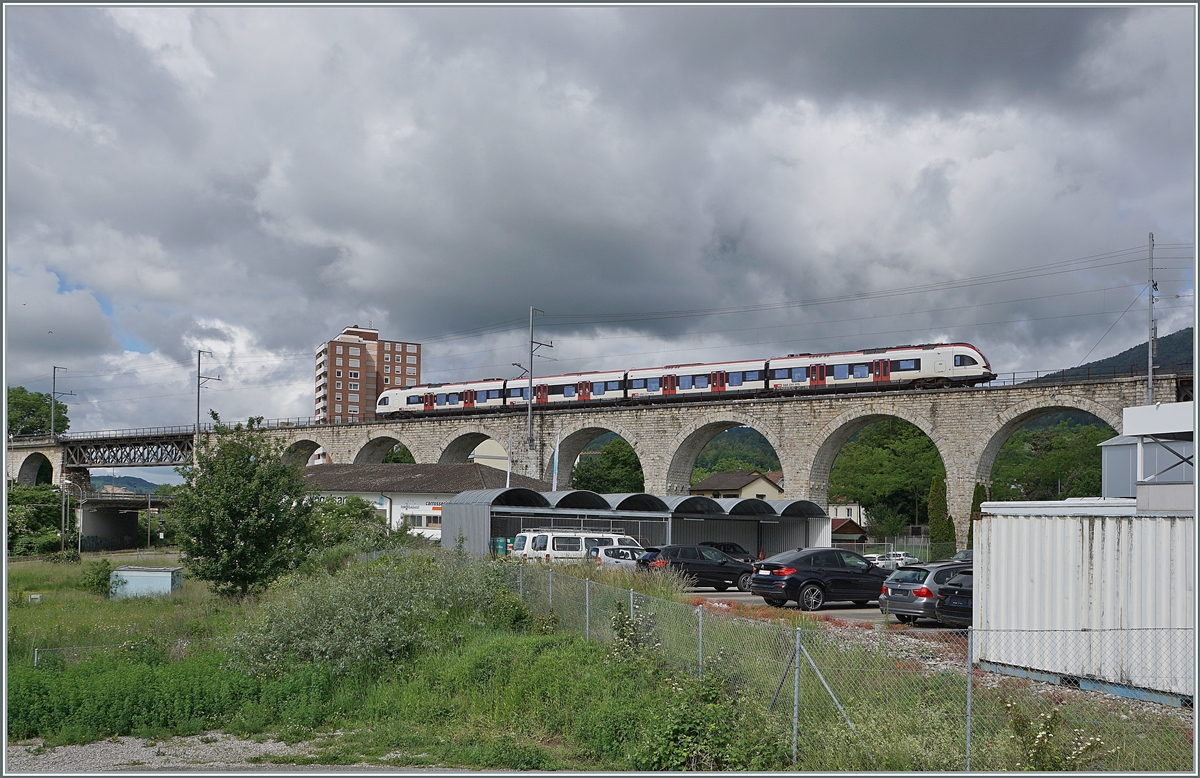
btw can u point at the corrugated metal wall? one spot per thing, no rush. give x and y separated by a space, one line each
820 532
473 522
1085 574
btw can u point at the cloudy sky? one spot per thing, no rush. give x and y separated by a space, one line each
668 184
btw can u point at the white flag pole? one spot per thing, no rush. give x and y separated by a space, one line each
508 475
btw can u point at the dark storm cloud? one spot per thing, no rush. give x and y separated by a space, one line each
251 180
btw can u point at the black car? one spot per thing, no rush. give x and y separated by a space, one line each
733 549
953 607
705 565
814 576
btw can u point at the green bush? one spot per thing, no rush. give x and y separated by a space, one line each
96 578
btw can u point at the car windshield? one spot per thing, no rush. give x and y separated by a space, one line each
909 575
732 548
964 554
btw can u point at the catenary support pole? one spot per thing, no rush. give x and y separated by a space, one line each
796 700
1150 342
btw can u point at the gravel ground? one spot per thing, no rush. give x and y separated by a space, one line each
211 752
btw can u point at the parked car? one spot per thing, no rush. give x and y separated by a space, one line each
814 576
705 565
953 606
552 545
966 555
616 556
733 549
910 592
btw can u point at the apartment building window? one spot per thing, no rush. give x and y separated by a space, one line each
337 374
387 357
337 408
409 347
338 361
386 379
339 349
354 363
411 360
387 346
352 410
410 371
337 384
355 351
354 374
337 395
387 368
353 398
410 382
353 386
337 419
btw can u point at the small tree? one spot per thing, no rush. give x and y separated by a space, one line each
976 513
615 469
354 522
244 515
941 526
29 413
400 455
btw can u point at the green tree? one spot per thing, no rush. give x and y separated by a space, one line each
400 455
740 448
354 521
941 525
614 470
887 468
29 413
34 519
244 515
976 501
1050 464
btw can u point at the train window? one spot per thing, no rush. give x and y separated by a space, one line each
840 372
452 399
733 379
701 381
414 399
597 387
614 386
781 373
862 371
753 375
637 383
522 392
493 394
384 400
568 391
685 382
440 399
905 364
962 360
653 384
799 373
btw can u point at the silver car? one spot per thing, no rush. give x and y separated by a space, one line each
616 556
910 593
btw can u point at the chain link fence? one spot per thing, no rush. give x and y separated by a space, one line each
866 697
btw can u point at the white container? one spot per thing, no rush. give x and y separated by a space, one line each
1103 597
134 581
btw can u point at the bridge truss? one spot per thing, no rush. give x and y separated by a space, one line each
149 450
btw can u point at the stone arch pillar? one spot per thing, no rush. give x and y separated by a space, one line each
575 437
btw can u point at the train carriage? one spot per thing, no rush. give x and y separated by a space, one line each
921 367
568 388
697 379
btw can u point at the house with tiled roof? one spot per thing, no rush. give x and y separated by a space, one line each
738 483
411 494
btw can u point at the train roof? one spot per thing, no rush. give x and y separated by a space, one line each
886 350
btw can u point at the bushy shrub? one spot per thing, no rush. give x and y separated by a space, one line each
380 612
69 556
96 578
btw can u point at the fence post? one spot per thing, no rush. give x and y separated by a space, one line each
550 589
521 582
587 609
631 604
700 638
796 699
35 657
970 679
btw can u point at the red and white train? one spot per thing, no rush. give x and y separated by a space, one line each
902 367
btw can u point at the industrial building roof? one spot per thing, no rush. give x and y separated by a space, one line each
417 479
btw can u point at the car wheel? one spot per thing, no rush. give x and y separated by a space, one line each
775 602
861 603
905 619
744 582
721 588
812 597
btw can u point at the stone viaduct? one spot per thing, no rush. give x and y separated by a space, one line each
968 427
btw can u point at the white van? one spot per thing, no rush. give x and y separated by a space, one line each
563 545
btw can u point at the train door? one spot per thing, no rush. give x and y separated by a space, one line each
881 369
670 383
816 375
716 381
468 398
583 390
541 393
429 401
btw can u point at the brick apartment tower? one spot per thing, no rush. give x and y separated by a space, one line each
354 367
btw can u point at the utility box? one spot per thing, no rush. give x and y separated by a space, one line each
133 581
